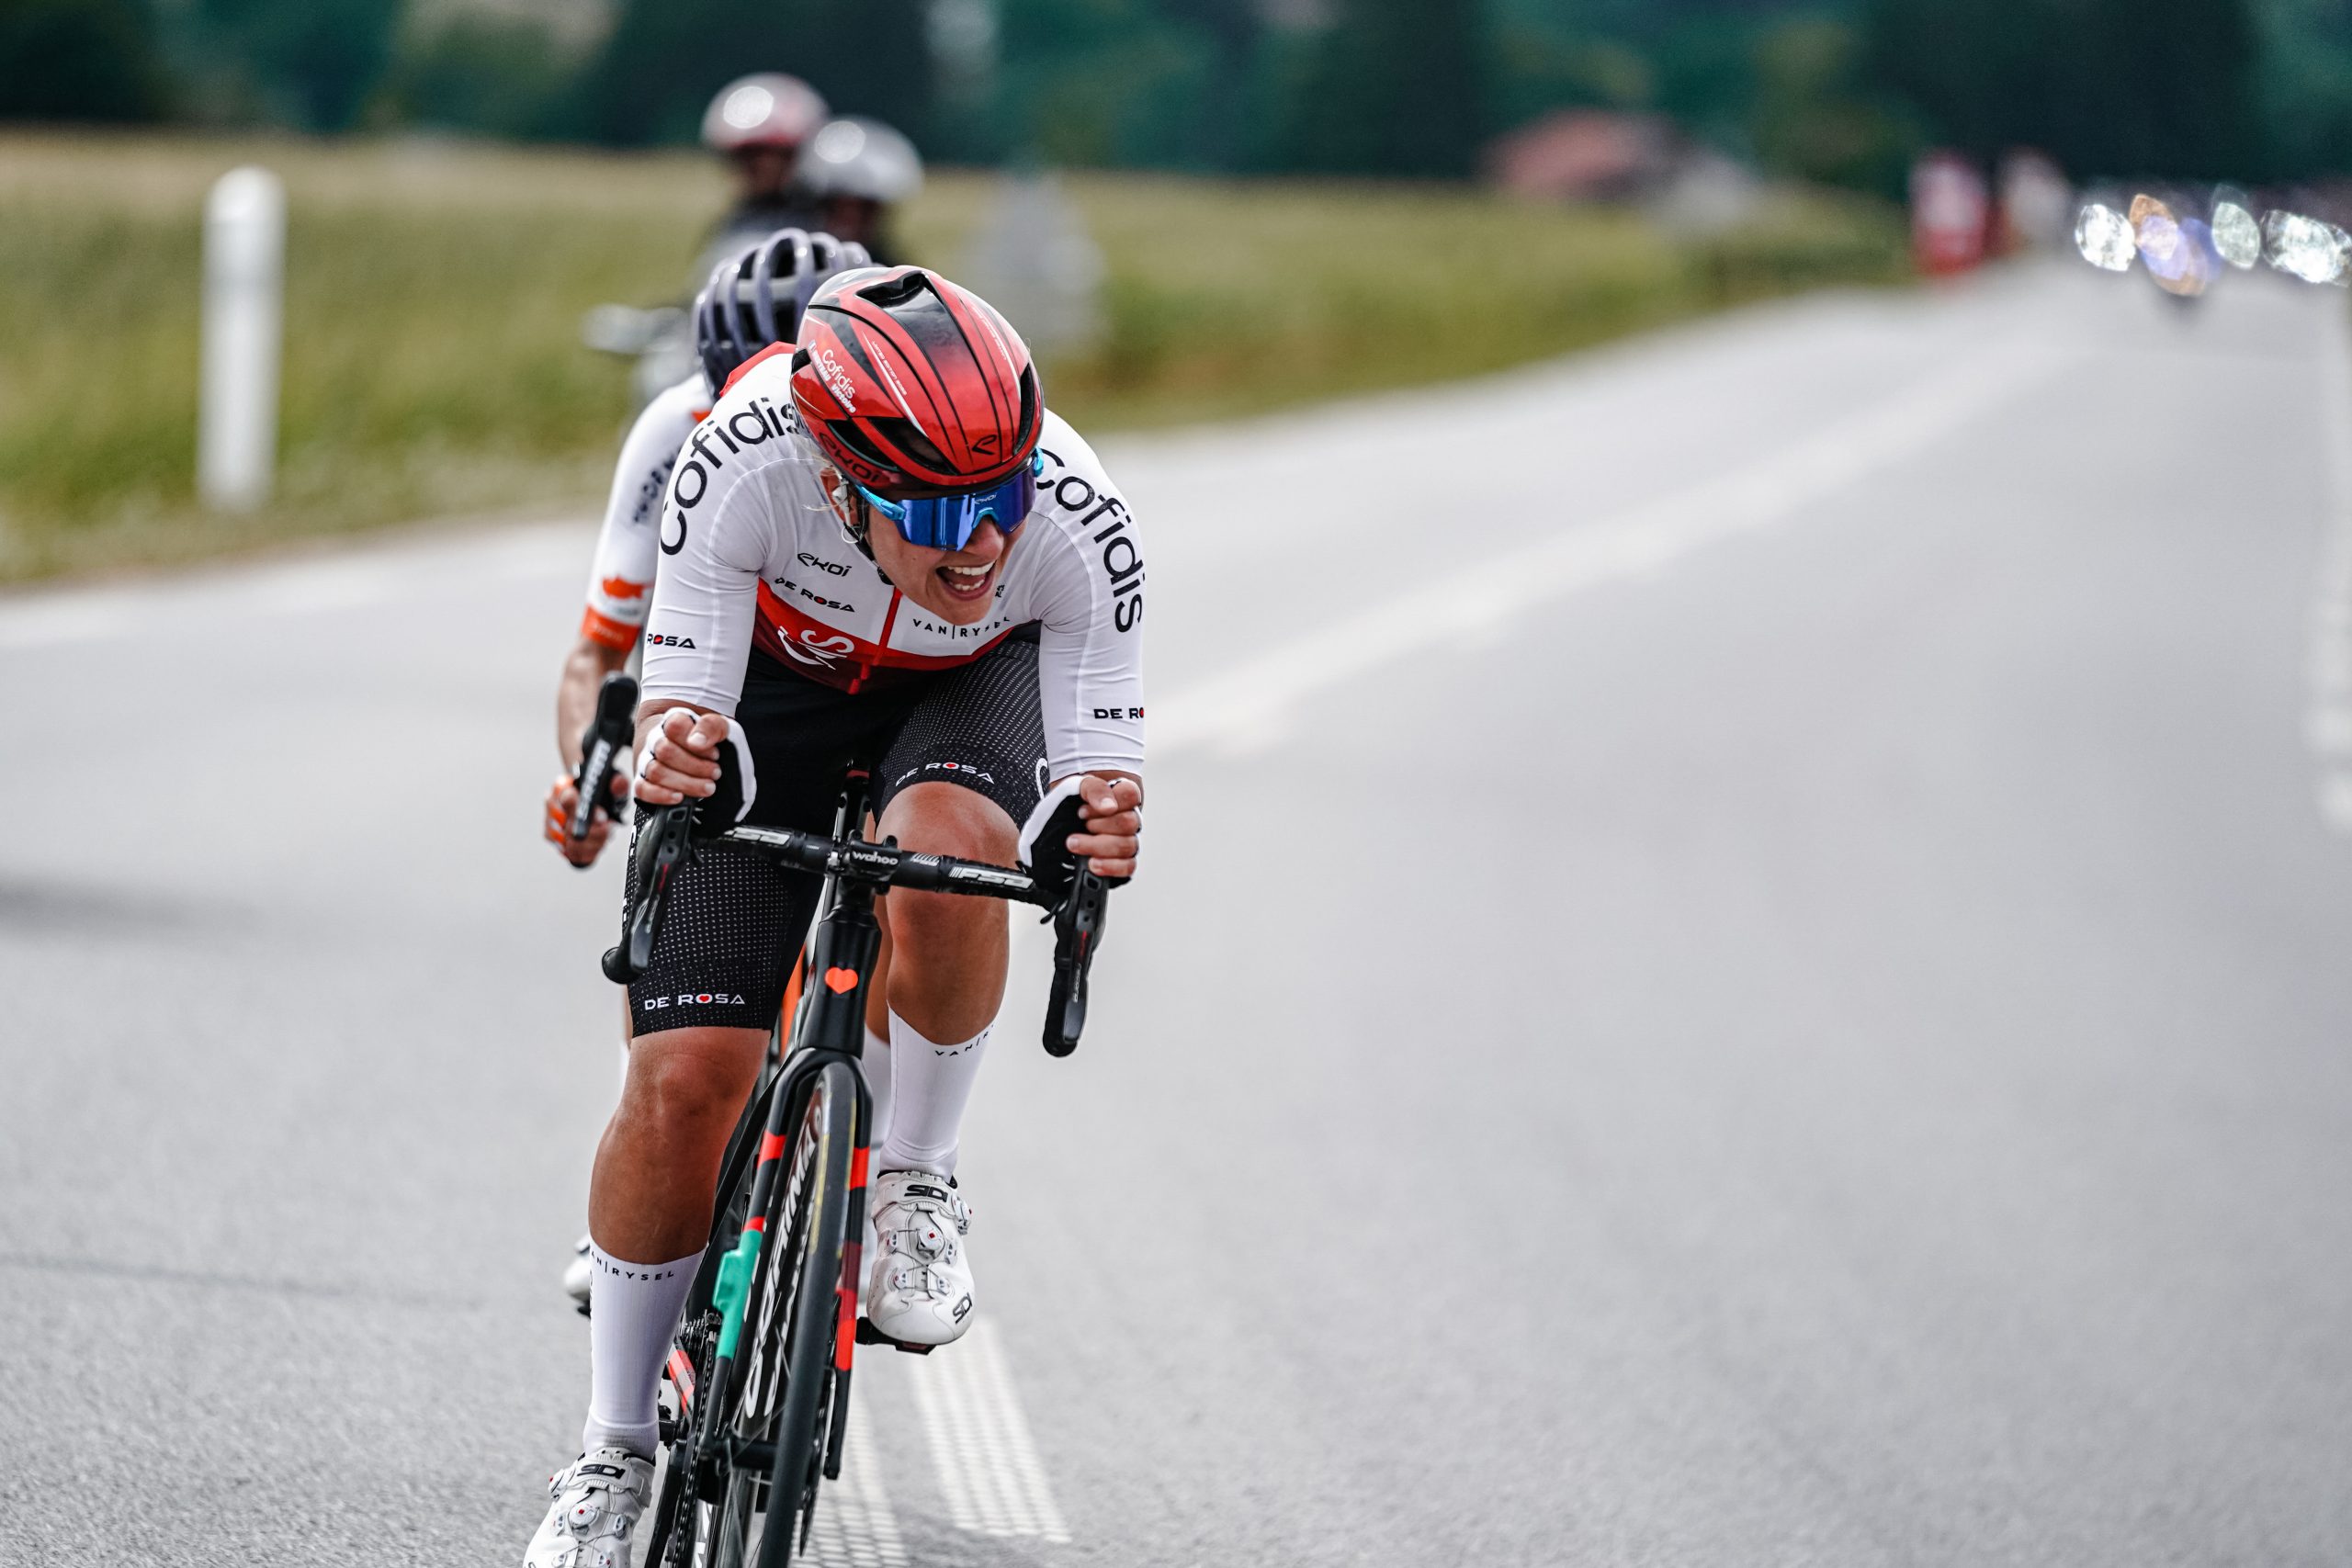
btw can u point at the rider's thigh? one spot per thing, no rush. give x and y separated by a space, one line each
692 1075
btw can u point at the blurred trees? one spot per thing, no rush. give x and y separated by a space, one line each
493 75
88 60
665 59
1836 91
2119 86
1391 87
309 63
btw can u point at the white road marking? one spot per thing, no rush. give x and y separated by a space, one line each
979 1441
1248 707
2327 724
855 1527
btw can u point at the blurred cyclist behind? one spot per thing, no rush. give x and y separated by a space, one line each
856 171
759 123
753 299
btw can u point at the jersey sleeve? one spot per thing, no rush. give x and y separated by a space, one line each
620 585
1090 644
718 528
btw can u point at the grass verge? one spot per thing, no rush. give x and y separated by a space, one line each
434 294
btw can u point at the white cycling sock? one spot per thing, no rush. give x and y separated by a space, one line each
933 1083
877 1082
632 1314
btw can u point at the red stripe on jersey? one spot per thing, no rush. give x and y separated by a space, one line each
832 657
768 352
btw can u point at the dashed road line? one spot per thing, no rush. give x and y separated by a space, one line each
1247 707
980 1446
855 1527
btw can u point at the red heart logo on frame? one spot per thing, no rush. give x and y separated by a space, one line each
840 982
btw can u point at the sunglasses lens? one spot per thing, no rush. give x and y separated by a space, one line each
948 522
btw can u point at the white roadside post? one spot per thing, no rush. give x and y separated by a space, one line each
236 426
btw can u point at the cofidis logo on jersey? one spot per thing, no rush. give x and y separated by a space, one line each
750 423
1122 557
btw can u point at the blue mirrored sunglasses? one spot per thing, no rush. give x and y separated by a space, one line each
948 522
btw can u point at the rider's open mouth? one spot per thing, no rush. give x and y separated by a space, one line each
967 582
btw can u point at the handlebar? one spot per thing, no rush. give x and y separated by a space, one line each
888 866
666 842
602 744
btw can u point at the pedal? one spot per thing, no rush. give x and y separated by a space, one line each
869 1334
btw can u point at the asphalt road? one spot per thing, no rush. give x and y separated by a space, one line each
1745 958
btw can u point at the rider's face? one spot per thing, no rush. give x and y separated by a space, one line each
957 586
762 171
853 218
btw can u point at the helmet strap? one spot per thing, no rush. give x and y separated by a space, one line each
856 519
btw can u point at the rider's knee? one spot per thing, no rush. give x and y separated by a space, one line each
693 1074
948 819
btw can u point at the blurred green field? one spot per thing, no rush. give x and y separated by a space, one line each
434 290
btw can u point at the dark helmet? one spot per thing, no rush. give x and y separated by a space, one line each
755 298
905 380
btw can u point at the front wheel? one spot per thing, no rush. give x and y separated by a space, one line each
773 1389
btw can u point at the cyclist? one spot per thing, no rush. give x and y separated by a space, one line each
881 545
856 171
752 299
758 123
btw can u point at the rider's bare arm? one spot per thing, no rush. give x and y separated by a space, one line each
619 586
584 668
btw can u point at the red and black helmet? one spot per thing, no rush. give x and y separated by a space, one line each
908 382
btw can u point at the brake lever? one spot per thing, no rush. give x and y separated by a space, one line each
664 843
604 744
1078 921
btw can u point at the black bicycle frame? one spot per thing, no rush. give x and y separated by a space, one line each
827 1026
830 1026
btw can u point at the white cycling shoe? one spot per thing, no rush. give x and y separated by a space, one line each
597 1500
919 1290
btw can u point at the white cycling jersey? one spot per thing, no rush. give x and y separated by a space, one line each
620 587
753 558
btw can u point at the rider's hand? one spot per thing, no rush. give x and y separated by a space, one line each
678 759
1112 809
562 795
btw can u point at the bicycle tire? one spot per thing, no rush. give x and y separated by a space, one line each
778 1382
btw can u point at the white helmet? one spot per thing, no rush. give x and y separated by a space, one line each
764 109
863 158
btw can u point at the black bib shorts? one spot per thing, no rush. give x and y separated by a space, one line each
736 921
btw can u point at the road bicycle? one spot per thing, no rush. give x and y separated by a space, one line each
755 1394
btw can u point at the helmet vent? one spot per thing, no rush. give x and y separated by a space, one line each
893 292
904 434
